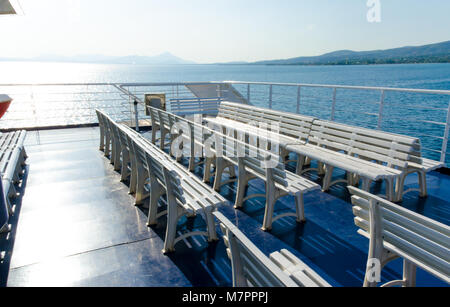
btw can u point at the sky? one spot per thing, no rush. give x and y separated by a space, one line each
209 31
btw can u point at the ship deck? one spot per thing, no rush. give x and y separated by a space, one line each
76 225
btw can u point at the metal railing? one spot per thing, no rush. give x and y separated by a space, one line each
420 113
416 112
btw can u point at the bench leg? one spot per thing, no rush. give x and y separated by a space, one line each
5 229
300 208
308 161
173 212
270 206
117 150
352 179
22 158
409 274
124 172
24 153
162 141
154 130
113 151
107 144
191 166
133 176
11 193
321 168
390 192
366 184
283 153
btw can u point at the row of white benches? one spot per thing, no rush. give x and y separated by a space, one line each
187 195
371 155
393 232
12 161
409 253
227 153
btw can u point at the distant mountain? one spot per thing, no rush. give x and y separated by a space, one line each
162 59
232 63
434 53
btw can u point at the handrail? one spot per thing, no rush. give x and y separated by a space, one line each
326 101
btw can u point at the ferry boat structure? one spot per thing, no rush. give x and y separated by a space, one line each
359 176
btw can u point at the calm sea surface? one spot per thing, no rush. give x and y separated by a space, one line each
400 114
430 76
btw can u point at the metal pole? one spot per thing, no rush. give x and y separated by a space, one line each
333 106
270 96
380 113
219 93
299 91
446 135
136 117
248 93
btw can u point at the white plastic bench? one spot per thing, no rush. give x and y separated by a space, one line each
186 194
369 154
250 161
395 232
251 267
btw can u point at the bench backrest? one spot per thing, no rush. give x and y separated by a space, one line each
252 268
391 149
417 238
192 106
293 125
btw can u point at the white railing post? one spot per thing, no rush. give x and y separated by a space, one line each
270 96
446 135
136 116
248 93
299 92
380 113
333 106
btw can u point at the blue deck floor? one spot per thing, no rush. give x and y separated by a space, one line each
76 225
